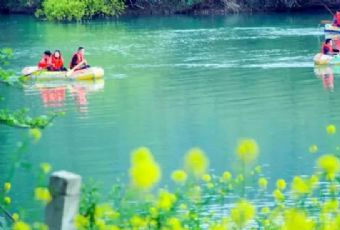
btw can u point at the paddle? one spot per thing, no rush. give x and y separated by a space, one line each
326 22
30 70
70 72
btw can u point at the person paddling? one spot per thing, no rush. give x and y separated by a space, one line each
327 48
45 61
78 61
57 62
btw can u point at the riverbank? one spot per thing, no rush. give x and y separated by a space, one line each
206 7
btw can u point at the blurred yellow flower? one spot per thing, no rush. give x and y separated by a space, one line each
277 194
313 148
227 176
111 227
331 129
138 222
206 178
196 162
166 200
301 186
295 219
45 167
330 206
265 210
7 200
106 210
281 184
179 176
35 134
242 213
42 194
81 222
330 165
20 225
100 224
7 187
247 150
144 171
262 182
15 216
40 226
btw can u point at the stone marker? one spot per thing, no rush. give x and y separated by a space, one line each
65 190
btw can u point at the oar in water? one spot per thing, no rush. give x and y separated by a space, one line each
30 70
70 72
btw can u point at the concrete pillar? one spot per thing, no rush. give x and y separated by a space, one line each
65 190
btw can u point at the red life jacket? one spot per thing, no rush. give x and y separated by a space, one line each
337 19
57 63
44 62
326 47
79 58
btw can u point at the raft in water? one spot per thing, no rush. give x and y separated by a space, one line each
332 29
322 59
90 73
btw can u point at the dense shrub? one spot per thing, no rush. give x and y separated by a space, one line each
62 10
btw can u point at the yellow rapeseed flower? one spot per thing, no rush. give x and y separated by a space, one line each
301 186
35 134
42 194
330 165
111 227
196 162
313 148
330 206
227 176
242 213
138 222
247 150
20 225
331 129
262 182
40 226
106 210
281 184
166 200
81 222
206 178
45 167
144 171
7 187
295 219
7 200
277 194
179 176
15 216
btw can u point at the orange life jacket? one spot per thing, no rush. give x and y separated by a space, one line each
327 47
57 63
44 62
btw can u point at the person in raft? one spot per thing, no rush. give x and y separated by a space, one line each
78 61
327 48
45 61
57 62
336 19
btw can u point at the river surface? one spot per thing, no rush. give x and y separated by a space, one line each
172 83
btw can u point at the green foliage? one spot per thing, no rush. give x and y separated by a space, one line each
21 119
64 10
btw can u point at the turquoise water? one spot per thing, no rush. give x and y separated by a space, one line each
172 83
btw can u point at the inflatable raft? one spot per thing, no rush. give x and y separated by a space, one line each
92 73
332 29
321 59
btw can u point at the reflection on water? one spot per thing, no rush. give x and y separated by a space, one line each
54 94
326 74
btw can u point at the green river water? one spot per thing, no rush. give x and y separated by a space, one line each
172 83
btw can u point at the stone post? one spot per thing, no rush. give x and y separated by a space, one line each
65 190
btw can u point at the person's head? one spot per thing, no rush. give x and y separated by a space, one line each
81 50
328 41
57 54
47 53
